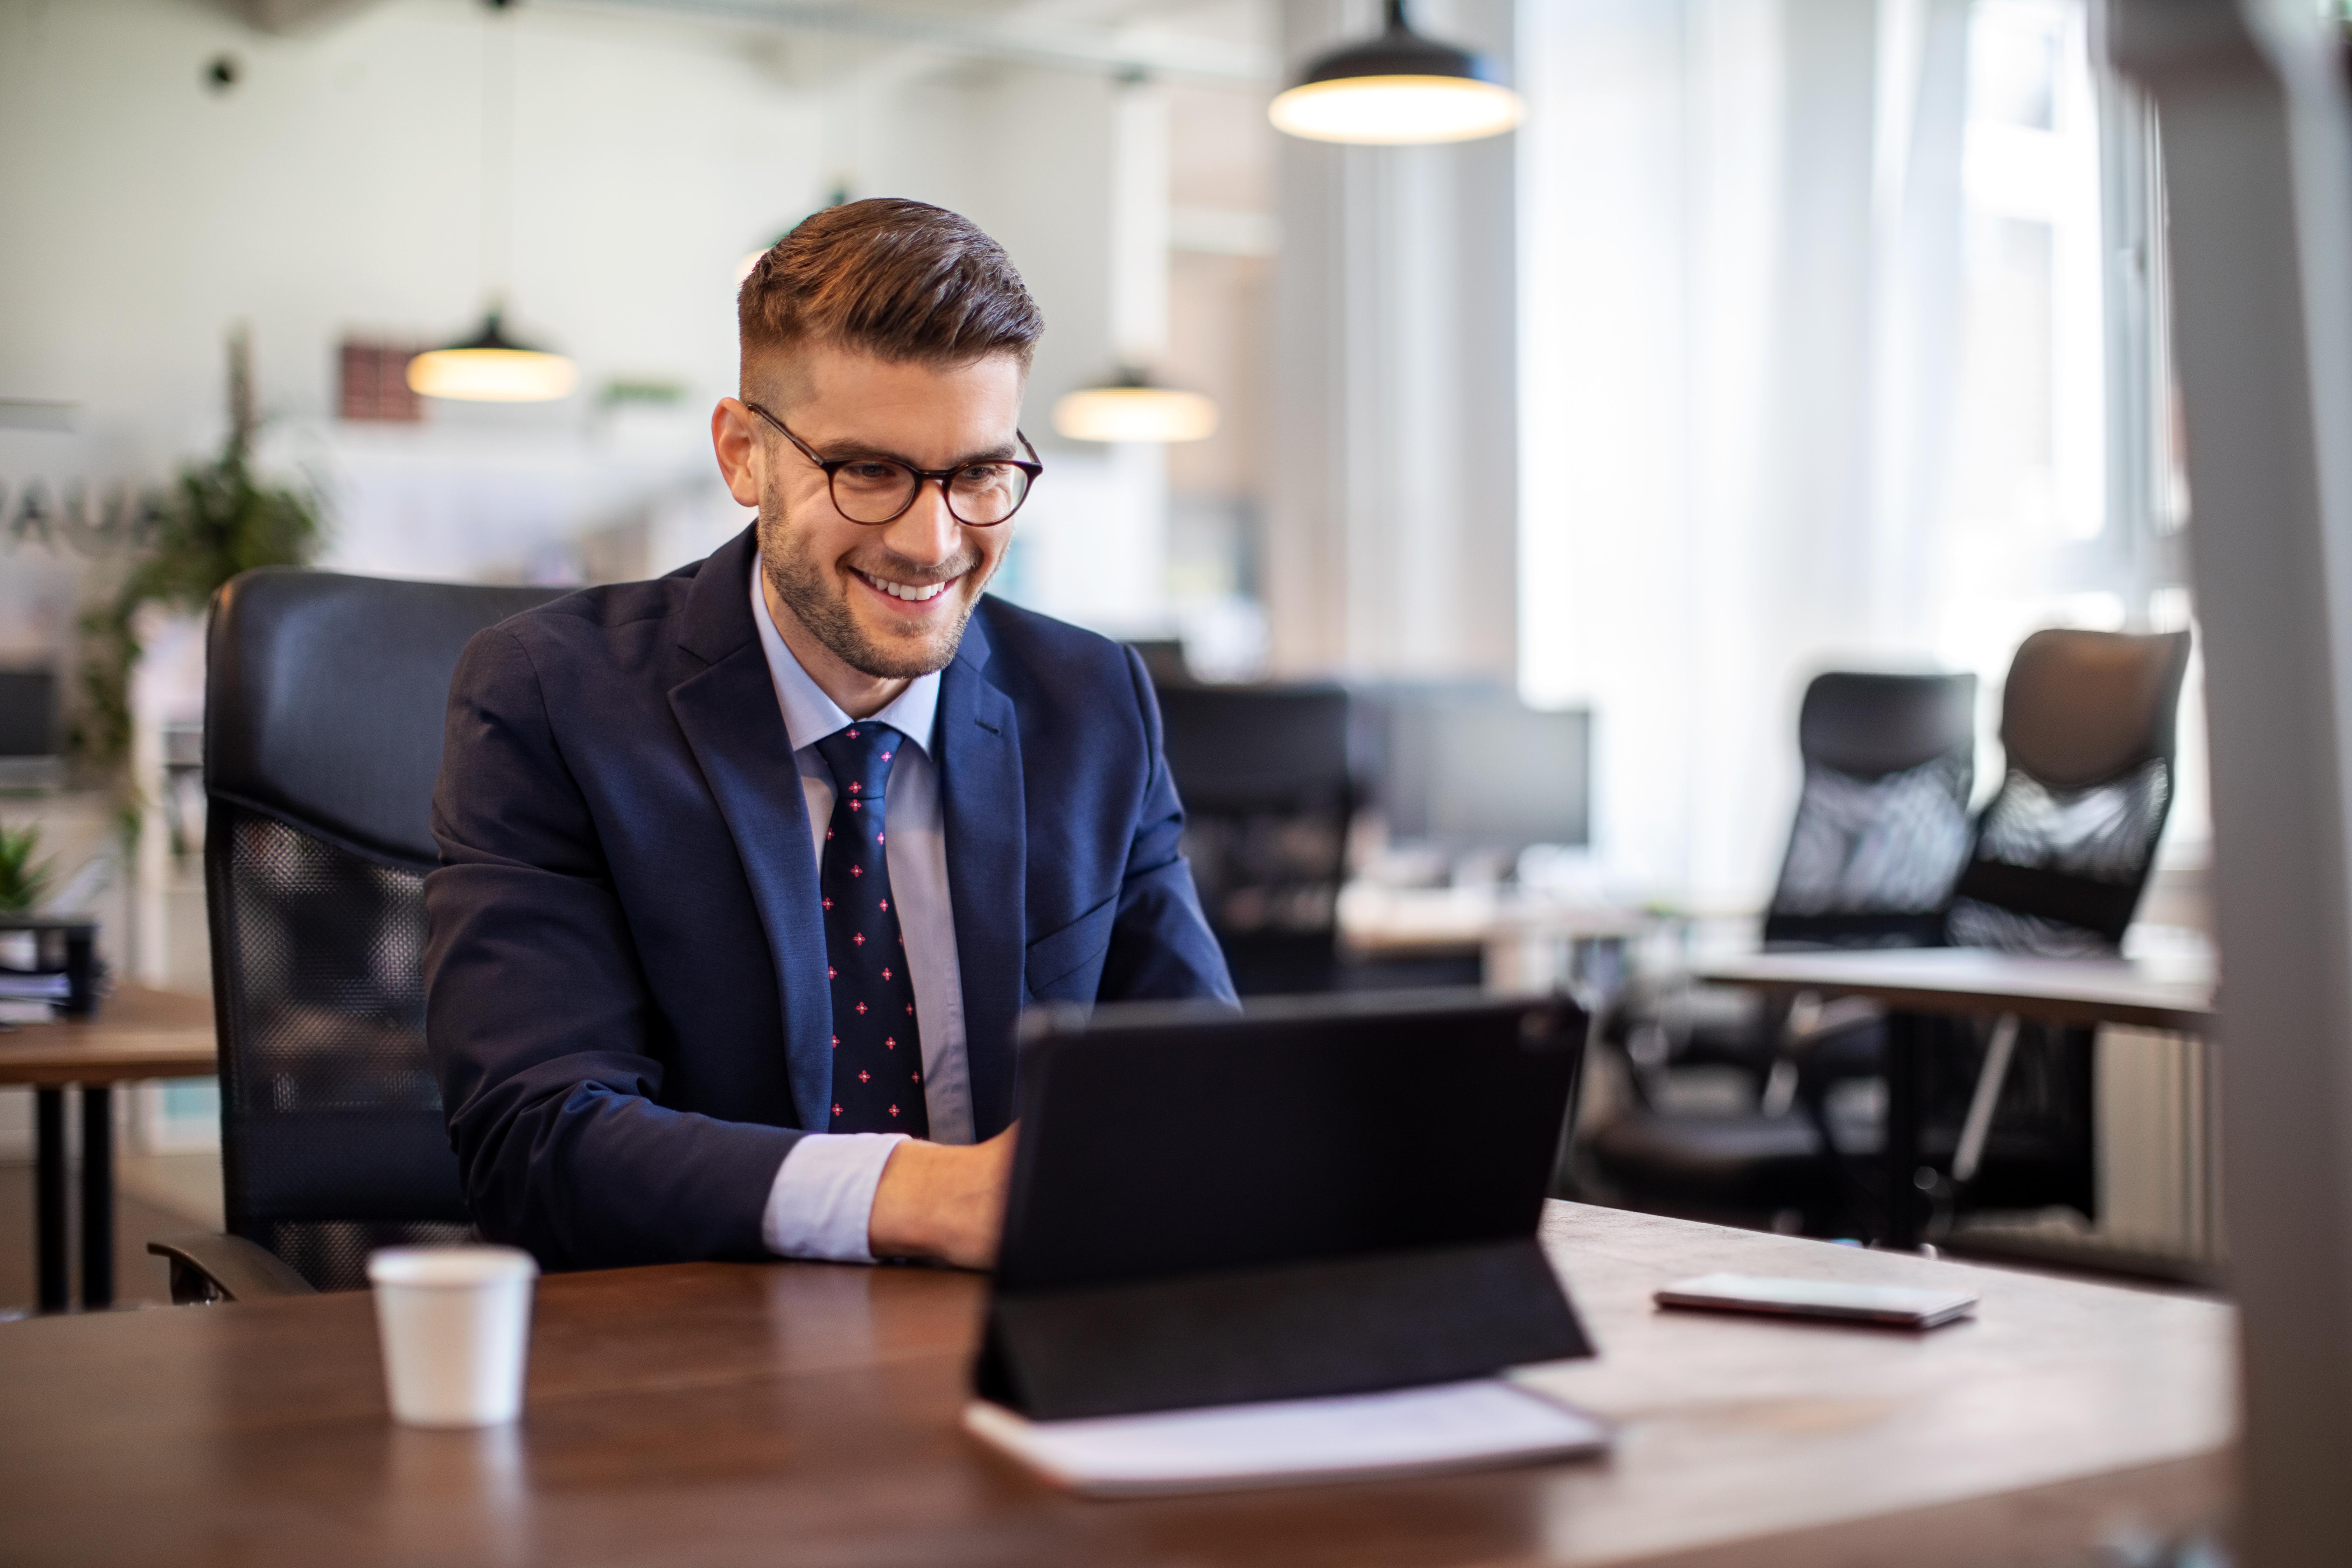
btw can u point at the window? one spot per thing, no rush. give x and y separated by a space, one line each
2067 496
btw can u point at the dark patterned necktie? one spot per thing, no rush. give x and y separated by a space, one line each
877 1054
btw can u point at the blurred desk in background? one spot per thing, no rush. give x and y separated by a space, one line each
2171 992
135 1034
2174 992
1518 941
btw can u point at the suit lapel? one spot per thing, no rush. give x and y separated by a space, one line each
729 715
980 791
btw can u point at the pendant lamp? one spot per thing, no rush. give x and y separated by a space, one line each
492 367
489 366
1397 89
1132 409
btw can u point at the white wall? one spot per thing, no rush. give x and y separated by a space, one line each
339 188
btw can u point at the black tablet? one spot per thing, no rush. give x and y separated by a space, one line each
1316 1195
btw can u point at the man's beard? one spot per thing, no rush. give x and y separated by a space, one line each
814 590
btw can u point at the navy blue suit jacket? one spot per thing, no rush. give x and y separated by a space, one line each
625 994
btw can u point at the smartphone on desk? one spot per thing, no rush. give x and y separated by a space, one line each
1888 1306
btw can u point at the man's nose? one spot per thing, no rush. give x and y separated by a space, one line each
926 531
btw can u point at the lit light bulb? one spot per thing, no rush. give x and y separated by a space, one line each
1396 110
1134 414
492 369
1396 89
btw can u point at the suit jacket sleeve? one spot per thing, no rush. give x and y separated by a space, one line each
1160 944
548 1047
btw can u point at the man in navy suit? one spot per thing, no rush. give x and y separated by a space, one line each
747 871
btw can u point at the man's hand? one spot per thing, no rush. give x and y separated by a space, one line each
942 1200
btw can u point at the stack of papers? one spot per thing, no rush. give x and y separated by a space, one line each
18 984
1454 1425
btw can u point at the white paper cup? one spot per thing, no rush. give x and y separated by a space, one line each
456 1327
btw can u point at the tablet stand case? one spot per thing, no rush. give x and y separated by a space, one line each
1341 1230
1343 1325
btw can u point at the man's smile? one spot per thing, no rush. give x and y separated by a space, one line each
905 593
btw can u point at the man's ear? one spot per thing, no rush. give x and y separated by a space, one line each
735 440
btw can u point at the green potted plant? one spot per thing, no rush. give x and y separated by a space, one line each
48 959
24 881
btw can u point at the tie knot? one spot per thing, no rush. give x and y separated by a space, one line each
860 758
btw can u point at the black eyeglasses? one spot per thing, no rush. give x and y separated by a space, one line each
875 491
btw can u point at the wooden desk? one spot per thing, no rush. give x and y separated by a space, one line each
2177 994
135 1034
720 1413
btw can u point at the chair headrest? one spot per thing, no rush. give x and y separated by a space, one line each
1872 725
2081 708
324 695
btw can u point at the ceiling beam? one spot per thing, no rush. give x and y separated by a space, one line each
1056 45
285 16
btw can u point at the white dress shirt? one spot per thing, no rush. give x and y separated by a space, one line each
824 1192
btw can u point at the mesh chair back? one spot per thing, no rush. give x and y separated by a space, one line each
323 705
2062 852
1267 794
1882 824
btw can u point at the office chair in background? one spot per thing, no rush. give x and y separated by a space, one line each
1268 797
2054 865
1881 828
1882 823
2059 858
2062 853
324 698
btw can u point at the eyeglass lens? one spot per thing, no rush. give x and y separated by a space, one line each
876 490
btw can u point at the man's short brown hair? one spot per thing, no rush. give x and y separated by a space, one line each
893 278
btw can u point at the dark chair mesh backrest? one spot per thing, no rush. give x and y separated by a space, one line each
2062 852
1267 792
1882 824
323 706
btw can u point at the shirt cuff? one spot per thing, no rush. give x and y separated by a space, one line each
824 1197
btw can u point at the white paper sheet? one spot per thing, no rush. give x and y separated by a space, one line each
1451 1427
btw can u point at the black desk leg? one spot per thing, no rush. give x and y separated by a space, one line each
49 1195
97 1195
1906 1038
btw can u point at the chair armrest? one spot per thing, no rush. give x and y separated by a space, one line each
211 1267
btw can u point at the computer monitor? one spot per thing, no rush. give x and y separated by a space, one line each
1470 768
28 730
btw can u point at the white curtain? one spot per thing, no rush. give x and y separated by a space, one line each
1740 275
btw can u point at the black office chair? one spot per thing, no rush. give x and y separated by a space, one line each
2062 853
1882 824
2057 866
1269 794
324 698
1881 828
1881 833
